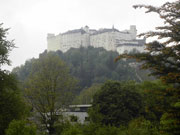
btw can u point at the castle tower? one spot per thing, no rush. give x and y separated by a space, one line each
133 31
86 29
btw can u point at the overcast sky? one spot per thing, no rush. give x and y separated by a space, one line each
31 20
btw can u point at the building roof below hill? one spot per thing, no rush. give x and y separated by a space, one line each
85 105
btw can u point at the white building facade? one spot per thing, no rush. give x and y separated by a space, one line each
110 39
79 112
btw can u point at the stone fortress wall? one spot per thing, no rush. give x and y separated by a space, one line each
110 39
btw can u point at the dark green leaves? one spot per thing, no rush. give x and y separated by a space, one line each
117 103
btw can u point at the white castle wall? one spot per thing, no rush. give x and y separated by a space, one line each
126 49
80 115
53 42
69 40
106 38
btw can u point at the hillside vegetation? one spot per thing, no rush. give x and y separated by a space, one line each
91 66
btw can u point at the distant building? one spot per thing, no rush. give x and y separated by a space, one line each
77 113
110 39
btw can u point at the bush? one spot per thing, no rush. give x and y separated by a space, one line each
73 130
21 127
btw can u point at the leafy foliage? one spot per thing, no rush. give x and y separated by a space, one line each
90 65
170 123
141 126
73 130
138 126
49 88
12 105
21 128
5 46
96 65
86 95
117 103
163 58
157 99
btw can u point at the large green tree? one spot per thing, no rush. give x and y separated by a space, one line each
116 103
163 57
49 89
12 105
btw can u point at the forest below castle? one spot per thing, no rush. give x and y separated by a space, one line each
124 99
91 66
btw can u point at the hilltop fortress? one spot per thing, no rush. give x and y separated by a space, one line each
110 39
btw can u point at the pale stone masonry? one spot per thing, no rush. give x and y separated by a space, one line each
110 39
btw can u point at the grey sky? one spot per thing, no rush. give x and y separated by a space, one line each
31 20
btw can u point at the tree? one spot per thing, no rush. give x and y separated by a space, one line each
73 130
21 127
163 58
86 95
90 65
156 99
141 126
116 103
12 105
5 46
49 88
170 121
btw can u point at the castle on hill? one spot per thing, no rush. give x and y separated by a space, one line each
110 39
